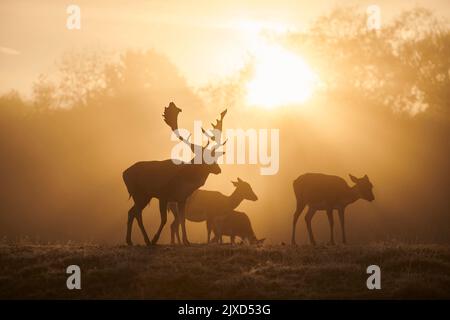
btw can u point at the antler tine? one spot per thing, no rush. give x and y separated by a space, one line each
207 134
224 142
217 126
186 141
217 146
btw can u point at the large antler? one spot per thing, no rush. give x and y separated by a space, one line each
218 127
170 116
171 119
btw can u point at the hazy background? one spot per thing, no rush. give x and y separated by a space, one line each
204 39
79 107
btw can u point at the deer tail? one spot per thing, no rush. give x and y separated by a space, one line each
296 187
125 180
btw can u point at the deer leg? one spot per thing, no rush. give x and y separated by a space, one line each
308 218
342 221
131 216
174 225
141 226
331 222
181 208
298 211
163 213
215 239
208 230
178 231
173 230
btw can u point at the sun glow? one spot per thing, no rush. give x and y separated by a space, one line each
280 78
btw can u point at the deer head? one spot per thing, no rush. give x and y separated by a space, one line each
364 187
244 189
202 155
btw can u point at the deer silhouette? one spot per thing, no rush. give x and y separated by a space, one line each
235 224
169 180
327 192
205 205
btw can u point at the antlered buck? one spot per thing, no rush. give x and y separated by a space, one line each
206 205
169 180
326 192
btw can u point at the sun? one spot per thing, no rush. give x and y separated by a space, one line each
280 78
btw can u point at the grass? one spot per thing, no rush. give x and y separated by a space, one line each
225 271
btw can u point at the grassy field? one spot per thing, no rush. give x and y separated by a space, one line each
225 271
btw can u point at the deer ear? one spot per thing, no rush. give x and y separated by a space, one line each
366 177
239 179
353 178
234 183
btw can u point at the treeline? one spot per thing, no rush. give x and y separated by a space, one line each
64 150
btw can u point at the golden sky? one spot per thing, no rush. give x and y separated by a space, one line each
205 39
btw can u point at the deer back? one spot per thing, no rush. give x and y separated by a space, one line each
321 190
150 177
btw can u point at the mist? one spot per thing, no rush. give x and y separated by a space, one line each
64 149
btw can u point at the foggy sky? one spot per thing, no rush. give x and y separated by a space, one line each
200 37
